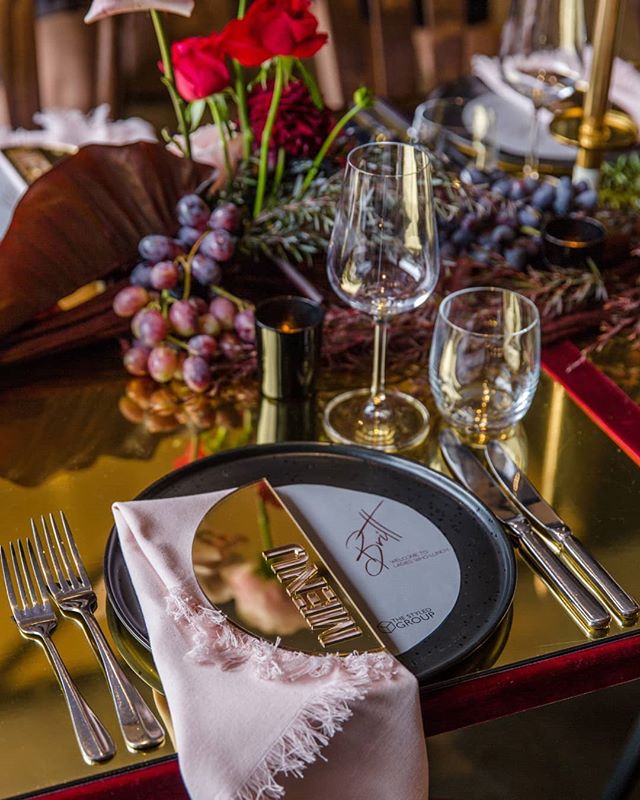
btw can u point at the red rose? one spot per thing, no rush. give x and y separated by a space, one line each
300 126
199 66
274 28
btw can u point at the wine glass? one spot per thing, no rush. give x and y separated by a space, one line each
383 260
484 363
541 56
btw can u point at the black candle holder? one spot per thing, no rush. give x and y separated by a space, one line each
288 337
573 242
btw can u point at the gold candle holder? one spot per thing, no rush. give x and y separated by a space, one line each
593 127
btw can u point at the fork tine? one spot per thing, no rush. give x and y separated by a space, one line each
53 552
16 571
80 570
8 583
37 571
63 552
27 573
42 557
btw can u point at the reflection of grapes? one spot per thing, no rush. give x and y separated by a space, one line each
181 337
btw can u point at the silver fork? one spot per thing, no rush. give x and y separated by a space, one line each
36 618
73 592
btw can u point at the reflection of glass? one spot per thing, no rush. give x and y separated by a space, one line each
383 260
541 56
442 124
485 360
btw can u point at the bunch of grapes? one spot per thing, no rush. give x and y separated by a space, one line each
503 217
181 320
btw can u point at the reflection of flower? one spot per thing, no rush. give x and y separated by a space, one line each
274 28
300 126
261 602
199 66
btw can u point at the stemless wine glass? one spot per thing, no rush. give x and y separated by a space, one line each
383 260
541 56
485 360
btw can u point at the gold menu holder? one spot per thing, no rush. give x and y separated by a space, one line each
257 566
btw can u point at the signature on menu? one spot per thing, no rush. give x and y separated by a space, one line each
369 541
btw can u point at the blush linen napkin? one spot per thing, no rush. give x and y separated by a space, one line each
249 718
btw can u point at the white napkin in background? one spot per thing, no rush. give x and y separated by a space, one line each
246 715
73 127
624 90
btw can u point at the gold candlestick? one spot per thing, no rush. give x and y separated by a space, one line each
594 128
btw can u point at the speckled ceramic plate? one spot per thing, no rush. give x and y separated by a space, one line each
429 564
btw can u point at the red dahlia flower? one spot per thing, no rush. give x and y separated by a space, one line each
274 28
199 66
300 126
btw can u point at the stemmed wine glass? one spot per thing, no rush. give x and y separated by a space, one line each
383 260
541 56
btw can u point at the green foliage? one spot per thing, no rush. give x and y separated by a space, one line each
620 187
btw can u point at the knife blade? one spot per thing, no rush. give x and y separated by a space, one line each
470 472
528 499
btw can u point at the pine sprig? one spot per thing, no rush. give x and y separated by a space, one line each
296 228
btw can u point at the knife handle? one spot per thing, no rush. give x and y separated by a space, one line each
613 594
583 604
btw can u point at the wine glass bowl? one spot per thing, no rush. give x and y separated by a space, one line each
383 261
541 56
485 360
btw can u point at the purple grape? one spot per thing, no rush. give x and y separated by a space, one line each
162 363
135 360
462 237
188 236
165 275
209 324
562 202
184 318
502 234
501 187
149 326
130 300
516 257
529 217
203 345
200 305
245 325
226 216
224 310
543 197
230 346
196 373
205 270
531 184
141 275
587 199
178 374
192 211
218 245
517 190
157 248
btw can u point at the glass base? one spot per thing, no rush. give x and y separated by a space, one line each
402 423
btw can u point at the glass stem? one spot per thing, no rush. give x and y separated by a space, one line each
378 395
532 163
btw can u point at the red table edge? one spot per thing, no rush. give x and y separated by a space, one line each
597 395
478 698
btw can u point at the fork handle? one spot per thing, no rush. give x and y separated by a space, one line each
94 741
140 728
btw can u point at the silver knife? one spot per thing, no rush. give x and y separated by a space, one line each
527 498
468 469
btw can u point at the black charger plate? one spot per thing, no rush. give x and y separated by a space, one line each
485 556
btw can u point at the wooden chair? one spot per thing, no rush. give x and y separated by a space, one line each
18 66
19 63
